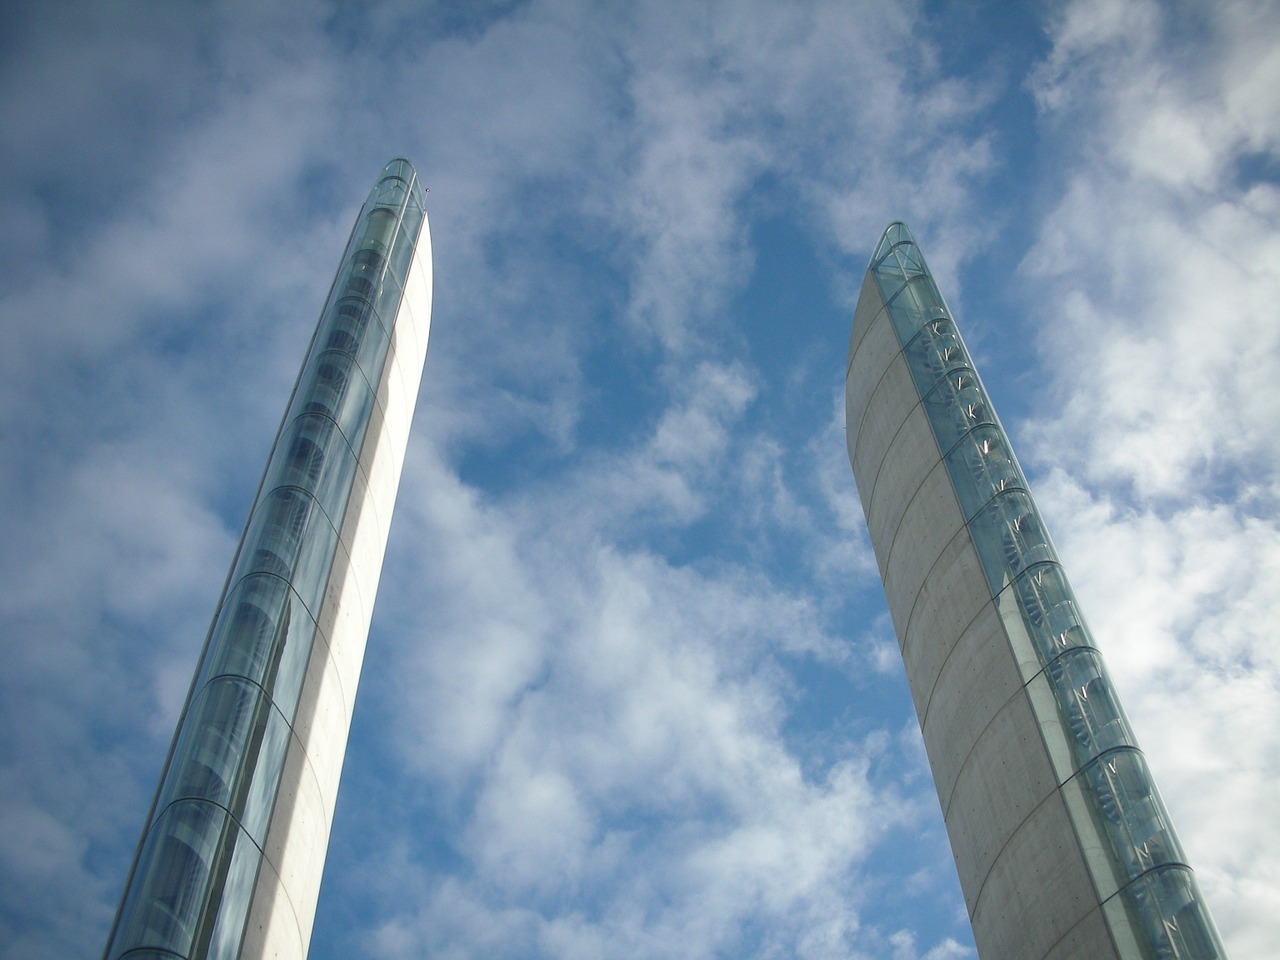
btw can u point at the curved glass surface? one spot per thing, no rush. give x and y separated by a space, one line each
192 881
934 351
264 634
1164 918
1152 901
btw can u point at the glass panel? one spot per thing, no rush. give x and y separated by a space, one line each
230 752
290 537
313 455
262 768
263 633
1057 736
890 275
1095 841
1131 813
347 323
391 192
1049 612
933 352
1089 708
376 236
359 400
233 908
981 466
910 258
315 559
894 234
1009 538
274 537
1021 642
402 253
957 405
915 304
389 298
176 891
215 734
1163 914
325 383
352 326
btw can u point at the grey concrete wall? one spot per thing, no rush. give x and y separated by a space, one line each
1021 868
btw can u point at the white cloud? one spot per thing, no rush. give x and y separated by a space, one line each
639 771
590 652
1157 275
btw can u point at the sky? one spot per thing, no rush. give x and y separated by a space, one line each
631 688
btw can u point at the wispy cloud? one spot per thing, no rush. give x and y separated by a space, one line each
631 688
1162 268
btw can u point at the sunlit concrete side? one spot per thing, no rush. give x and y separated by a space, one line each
283 908
1024 878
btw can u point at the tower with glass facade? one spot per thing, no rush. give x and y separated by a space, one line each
233 848
1062 844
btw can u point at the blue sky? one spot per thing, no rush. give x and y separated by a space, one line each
631 688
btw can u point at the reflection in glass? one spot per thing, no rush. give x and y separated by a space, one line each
1132 812
231 743
915 304
312 455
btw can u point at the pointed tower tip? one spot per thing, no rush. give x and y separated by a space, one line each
895 233
398 179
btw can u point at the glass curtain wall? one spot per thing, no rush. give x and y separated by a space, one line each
1152 903
192 880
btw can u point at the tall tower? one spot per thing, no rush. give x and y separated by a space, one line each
1063 847
231 856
